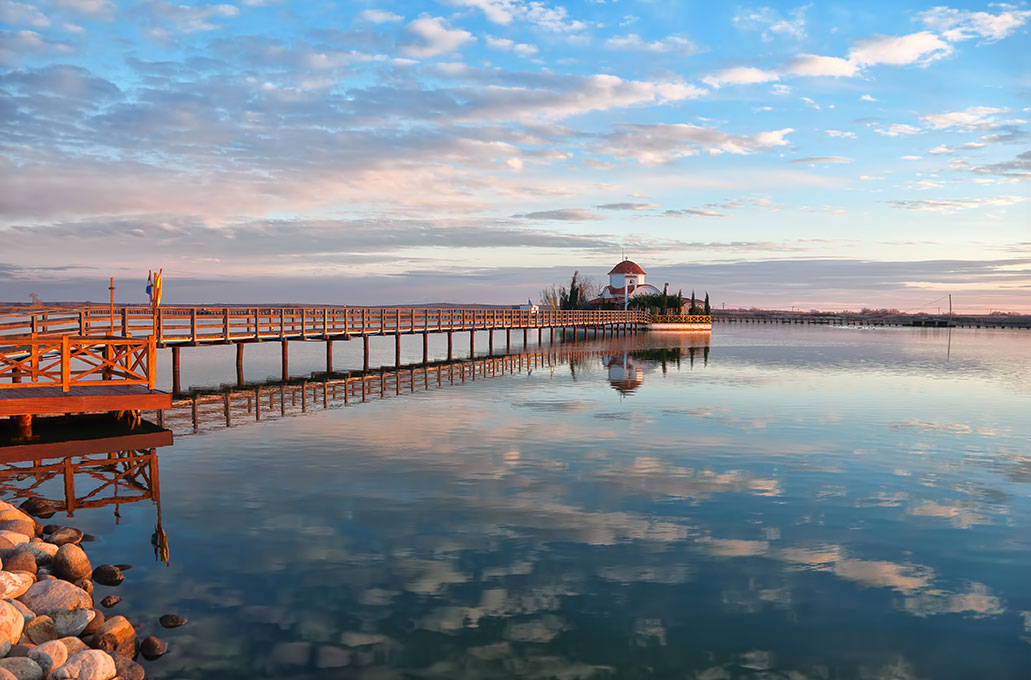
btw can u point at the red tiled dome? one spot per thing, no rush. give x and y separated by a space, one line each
627 267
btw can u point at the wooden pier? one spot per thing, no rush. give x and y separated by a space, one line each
103 345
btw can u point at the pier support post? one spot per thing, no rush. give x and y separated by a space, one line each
329 356
175 369
23 426
239 363
450 354
540 336
525 330
397 349
286 358
508 340
425 348
552 341
490 342
472 343
365 353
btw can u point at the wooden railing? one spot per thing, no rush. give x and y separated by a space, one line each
201 325
69 361
681 318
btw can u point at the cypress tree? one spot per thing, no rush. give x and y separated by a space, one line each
708 309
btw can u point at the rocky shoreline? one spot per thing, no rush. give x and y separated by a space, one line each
49 626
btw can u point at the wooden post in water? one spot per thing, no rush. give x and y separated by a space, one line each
525 330
329 356
472 343
508 340
175 369
449 339
286 357
239 363
365 350
540 336
397 346
490 342
425 348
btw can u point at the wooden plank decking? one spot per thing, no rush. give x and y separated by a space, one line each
18 401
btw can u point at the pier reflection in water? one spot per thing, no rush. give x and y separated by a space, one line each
805 503
86 463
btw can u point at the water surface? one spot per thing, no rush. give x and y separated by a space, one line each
776 502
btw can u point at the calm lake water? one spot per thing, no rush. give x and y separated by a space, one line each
773 502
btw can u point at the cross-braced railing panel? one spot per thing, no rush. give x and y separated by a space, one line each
68 361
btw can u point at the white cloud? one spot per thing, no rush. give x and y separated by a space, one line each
379 16
533 12
673 44
840 133
506 45
956 24
940 149
947 206
811 103
431 37
772 23
99 8
899 50
13 46
780 90
897 129
569 97
740 75
867 98
910 158
815 65
822 160
664 143
973 118
186 19
20 14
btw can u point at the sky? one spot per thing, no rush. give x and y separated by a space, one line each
822 155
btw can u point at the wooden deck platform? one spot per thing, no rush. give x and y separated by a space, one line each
20 401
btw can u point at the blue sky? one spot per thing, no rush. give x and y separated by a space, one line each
831 155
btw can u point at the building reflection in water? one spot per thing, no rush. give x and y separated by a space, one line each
626 369
87 462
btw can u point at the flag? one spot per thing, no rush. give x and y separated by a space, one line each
150 285
155 297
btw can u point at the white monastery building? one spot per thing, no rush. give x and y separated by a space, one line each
626 281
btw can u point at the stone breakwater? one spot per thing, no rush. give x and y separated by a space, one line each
49 627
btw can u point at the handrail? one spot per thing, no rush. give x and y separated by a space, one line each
682 318
206 324
72 361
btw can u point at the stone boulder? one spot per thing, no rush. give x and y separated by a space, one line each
42 551
152 647
49 655
12 623
19 526
73 645
71 563
43 597
117 635
14 583
65 535
171 621
108 575
110 601
25 611
15 538
95 624
38 507
7 675
126 667
92 664
20 560
40 629
22 667
71 622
